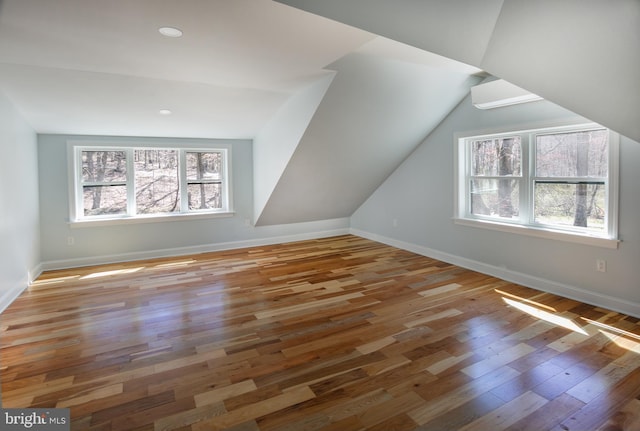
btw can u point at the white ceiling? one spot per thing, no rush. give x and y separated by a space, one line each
583 55
101 67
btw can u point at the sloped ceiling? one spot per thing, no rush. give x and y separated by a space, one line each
581 54
377 110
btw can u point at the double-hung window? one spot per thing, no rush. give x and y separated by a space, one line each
142 182
555 182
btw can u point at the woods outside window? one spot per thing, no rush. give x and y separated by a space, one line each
560 180
137 182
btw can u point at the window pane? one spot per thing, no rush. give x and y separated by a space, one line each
496 157
156 179
575 154
570 205
104 166
495 198
204 166
104 200
205 196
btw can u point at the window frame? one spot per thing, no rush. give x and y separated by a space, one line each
526 224
76 184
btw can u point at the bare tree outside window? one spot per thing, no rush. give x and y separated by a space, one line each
495 177
157 181
551 180
204 180
571 169
104 179
149 181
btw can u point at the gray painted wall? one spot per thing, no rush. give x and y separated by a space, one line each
19 225
99 244
420 195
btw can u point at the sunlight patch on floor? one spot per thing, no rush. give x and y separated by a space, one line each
546 316
113 272
625 339
57 280
175 264
520 299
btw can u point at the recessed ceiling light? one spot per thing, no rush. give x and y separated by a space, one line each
170 31
164 112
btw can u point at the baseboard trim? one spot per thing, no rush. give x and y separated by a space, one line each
8 297
35 273
605 301
183 251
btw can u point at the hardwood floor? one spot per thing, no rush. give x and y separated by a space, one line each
334 334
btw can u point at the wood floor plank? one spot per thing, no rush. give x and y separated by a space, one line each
338 333
508 414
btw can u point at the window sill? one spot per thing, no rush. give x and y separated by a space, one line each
147 219
541 233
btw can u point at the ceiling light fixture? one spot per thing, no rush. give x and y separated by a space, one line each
164 112
170 31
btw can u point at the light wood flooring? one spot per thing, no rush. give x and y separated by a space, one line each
333 334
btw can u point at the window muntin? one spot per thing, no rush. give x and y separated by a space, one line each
556 179
121 183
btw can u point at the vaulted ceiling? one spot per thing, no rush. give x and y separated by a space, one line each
334 93
581 54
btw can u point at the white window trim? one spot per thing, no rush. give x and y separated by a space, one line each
74 161
463 217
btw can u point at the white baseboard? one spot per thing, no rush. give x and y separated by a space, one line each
8 297
35 273
572 292
605 301
182 251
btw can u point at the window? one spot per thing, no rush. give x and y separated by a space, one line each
557 181
125 183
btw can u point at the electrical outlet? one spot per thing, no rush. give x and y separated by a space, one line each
394 222
601 265
71 240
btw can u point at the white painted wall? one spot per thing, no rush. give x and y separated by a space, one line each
374 114
19 226
420 196
276 142
100 244
581 54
